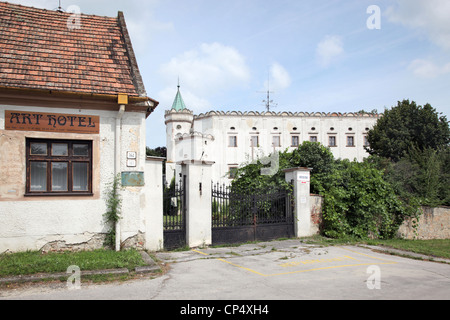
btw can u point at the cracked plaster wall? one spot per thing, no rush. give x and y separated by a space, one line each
35 223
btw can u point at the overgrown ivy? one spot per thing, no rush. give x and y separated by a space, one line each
113 210
360 203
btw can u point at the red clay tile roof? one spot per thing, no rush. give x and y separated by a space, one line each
39 51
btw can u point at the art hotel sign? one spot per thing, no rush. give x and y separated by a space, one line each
51 122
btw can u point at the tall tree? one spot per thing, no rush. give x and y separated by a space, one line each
405 127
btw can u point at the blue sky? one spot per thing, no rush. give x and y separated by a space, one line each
318 55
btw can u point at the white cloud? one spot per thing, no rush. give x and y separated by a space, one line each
329 49
428 69
431 17
205 71
279 78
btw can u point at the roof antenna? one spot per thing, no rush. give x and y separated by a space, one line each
269 103
59 9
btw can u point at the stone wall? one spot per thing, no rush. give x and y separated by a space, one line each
316 203
433 224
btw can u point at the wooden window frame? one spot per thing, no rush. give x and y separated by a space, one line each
232 171
70 159
329 141
292 141
252 141
276 144
353 144
234 138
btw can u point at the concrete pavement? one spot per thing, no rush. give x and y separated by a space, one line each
279 270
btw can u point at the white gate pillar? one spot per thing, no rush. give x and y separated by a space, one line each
301 177
153 203
198 202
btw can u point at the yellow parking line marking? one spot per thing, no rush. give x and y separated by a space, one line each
314 261
241 267
366 255
309 270
325 268
205 254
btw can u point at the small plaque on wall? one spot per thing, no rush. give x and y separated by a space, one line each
133 179
131 163
131 155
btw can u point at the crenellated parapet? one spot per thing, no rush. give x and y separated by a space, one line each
185 115
286 114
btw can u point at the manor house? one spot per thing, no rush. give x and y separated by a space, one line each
231 139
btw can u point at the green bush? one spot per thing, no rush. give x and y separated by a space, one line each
360 203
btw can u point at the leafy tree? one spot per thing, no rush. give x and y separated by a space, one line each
421 176
308 154
160 152
408 126
157 152
317 157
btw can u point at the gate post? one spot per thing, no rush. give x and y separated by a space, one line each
198 202
301 178
153 204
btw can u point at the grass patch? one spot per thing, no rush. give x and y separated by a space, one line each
34 262
435 248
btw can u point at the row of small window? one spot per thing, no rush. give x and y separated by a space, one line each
295 141
294 129
58 167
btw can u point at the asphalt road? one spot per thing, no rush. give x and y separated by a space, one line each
281 270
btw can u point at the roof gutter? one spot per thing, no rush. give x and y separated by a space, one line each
74 94
143 103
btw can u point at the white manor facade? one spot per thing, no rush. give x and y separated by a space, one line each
232 139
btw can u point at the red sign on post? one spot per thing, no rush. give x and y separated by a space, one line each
51 122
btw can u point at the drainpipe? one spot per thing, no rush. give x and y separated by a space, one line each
117 152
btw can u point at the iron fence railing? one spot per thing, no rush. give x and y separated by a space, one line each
230 209
174 206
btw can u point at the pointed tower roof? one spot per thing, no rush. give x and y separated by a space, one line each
178 103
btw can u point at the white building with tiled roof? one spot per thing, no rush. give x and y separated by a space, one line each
231 139
73 110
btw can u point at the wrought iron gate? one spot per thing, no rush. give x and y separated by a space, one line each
239 218
174 207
